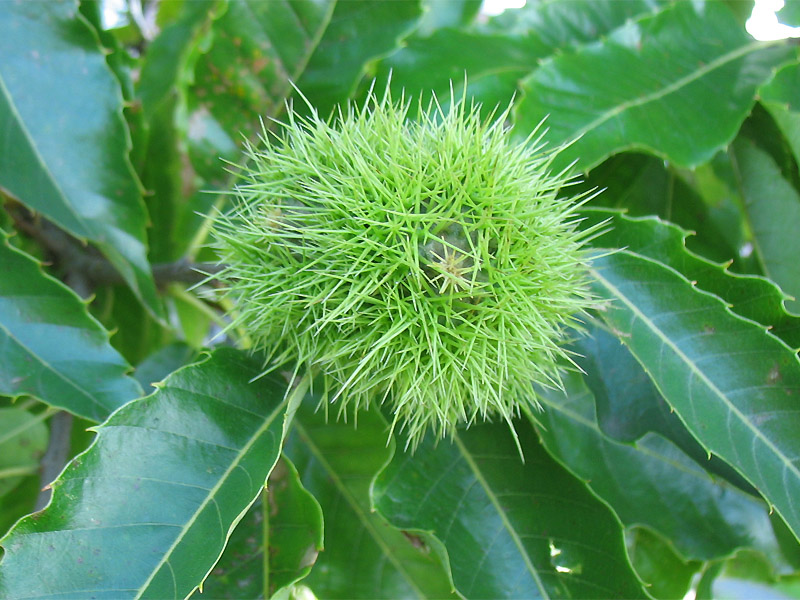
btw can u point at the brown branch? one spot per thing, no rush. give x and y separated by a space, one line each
56 455
85 267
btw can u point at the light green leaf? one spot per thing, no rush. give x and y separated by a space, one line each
23 440
790 14
364 556
781 97
651 482
772 211
65 138
51 348
608 92
146 511
510 529
732 383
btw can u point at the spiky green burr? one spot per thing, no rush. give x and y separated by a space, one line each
429 264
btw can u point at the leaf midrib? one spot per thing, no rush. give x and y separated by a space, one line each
676 85
692 367
212 493
496 504
355 506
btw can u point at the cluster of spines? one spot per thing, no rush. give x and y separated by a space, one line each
428 263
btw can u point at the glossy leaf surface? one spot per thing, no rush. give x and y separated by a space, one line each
510 529
751 297
51 348
493 58
146 511
628 405
364 556
733 385
682 58
650 482
75 171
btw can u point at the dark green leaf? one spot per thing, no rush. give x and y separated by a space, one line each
493 64
239 574
628 404
295 527
447 13
364 556
666 574
494 58
643 184
767 194
292 520
51 348
146 511
167 64
68 159
20 503
781 97
651 482
161 363
357 32
23 440
667 65
260 48
511 529
136 334
569 24
165 170
732 383
752 297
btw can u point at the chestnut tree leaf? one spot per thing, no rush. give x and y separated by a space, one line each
605 95
23 440
364 556
51 347
767 194
495 57
781 97
292 519
732 383
749 296
65 143
667 575
146 510
651 481
260 49
510 529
